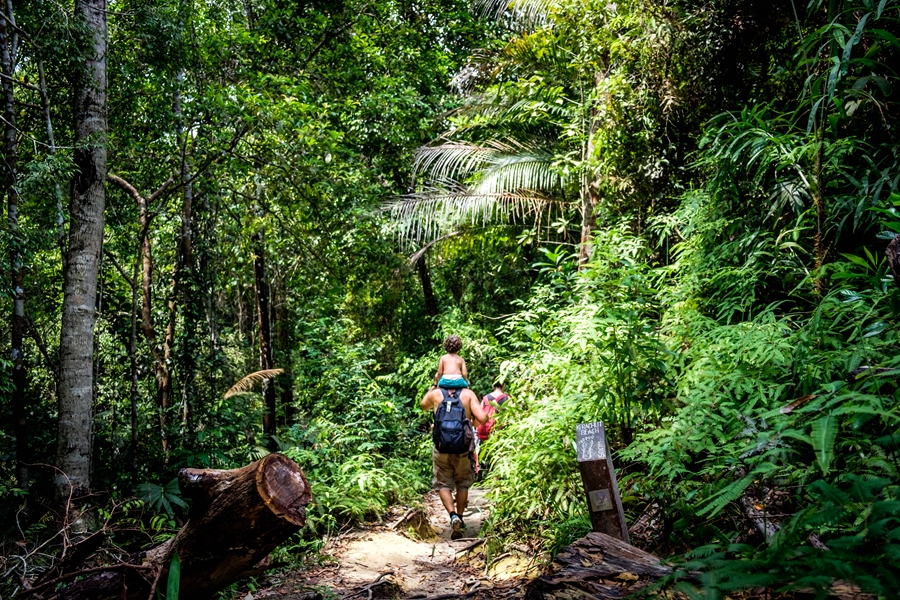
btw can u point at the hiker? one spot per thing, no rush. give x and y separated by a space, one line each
451 372
454 441
490 404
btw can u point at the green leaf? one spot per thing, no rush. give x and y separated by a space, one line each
174 578
824 434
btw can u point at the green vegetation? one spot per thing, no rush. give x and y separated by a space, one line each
673 217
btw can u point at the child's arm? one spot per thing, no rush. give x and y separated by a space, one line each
465 372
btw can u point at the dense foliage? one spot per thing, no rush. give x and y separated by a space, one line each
671 217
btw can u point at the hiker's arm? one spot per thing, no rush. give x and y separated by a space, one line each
426 403
478 414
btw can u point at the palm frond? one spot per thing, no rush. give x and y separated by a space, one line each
525 13
526 170
435 211
248 381
455 160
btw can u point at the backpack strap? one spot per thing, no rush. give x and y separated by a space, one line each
449 397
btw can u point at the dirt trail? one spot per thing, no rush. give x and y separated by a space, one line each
410 556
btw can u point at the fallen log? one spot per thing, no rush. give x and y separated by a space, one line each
236 519
597 566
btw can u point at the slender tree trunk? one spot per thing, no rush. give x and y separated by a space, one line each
182 285
132 359
20 425
285 343
76 344
431 306
51 140
589 196
160 355
265 331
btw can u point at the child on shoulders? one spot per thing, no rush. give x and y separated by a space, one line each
451 373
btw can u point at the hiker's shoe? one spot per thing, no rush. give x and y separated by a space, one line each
462 524
457 525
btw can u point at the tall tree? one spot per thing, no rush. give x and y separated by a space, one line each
265 331
88 200
8 51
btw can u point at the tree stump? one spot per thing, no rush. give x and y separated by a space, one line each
237 518
597 566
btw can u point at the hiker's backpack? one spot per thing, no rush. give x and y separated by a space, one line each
452 431
484 430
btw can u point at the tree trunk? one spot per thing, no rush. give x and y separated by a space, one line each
265 330
431 306
132 360
236 519
7 65
51 140
160 355
589 196
184 270
284 327
76 344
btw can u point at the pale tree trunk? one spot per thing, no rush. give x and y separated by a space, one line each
265 331
60 214
76 344
7 64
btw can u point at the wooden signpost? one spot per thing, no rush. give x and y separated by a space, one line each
599 479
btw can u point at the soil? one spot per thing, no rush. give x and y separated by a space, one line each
409 555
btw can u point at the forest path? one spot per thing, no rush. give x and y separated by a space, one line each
410 557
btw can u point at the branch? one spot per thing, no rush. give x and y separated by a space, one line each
84 572
39 341
125 276
161 189
127 187
18 29
216 158
325 38
18 82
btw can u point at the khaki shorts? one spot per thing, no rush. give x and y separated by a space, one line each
451 471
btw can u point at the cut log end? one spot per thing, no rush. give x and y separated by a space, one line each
283 487
237 518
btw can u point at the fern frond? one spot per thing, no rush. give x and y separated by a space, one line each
248 381
824 433
728 494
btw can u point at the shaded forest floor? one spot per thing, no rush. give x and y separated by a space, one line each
409 555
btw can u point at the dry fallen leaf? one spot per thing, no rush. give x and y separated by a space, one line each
627 576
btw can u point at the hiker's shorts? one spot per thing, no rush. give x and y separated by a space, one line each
451 471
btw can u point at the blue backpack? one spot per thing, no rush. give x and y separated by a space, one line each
452 432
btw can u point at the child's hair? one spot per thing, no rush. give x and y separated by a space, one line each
453 344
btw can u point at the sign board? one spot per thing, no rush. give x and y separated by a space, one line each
599 479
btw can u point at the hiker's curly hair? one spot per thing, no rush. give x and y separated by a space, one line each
453 344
